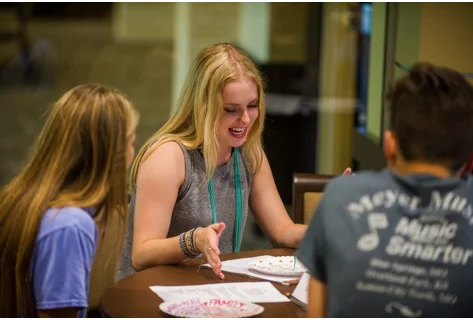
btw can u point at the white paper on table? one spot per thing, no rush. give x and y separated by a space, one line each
259 292
240 266
301 292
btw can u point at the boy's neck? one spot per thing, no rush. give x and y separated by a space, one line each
437 170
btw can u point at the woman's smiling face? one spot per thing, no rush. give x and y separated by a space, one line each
240 99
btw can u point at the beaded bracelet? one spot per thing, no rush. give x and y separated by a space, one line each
183 246
188 242
194 242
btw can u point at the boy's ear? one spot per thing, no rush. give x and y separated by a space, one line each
390 148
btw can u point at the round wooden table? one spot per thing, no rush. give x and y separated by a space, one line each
131 297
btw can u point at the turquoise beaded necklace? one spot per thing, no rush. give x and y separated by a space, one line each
237 232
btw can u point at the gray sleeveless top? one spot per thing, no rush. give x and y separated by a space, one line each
193 209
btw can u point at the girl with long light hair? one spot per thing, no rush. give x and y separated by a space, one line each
75 177
195 179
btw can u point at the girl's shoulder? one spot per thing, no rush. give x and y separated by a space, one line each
75 218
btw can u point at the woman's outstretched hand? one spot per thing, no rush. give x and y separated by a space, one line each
207 243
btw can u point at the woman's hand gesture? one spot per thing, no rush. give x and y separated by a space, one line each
207 243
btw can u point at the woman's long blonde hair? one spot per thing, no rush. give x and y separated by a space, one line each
200 106
79 159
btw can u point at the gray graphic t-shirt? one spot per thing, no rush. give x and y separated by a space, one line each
388 245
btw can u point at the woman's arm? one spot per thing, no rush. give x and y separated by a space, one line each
318 300
269 210
157 186
59 313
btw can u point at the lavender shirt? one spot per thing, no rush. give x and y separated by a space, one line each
62 259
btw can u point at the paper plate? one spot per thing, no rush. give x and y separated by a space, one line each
278 266
210 308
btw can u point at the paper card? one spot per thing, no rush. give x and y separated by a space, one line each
241 266
301 292
259 292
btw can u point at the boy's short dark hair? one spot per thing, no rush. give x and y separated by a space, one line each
432 116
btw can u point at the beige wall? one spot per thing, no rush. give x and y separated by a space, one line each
446 32
212 23
151 22
140 21
288 32
337 90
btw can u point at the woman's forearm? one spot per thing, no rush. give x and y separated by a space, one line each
157 252
291 235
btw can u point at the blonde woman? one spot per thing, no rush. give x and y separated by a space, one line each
196 178
77 173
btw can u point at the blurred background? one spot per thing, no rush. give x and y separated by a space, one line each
326 65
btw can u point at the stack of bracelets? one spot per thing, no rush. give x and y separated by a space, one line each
187 243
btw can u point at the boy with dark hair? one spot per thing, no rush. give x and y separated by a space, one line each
399 242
